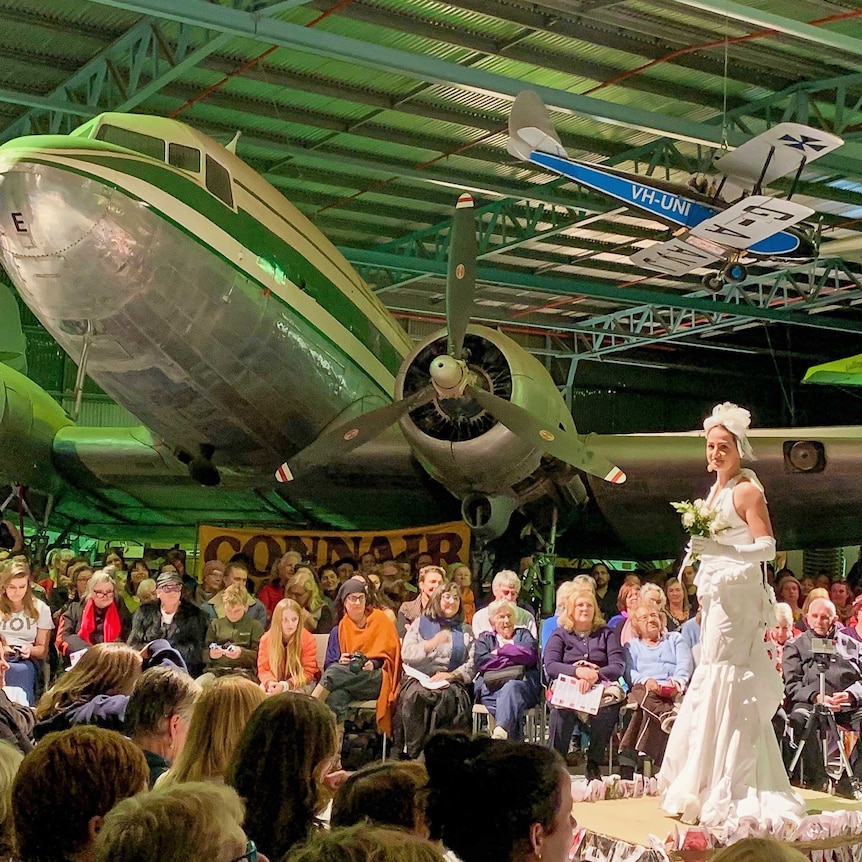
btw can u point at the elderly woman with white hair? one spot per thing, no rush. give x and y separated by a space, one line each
100 617
508 681
176 824
505 587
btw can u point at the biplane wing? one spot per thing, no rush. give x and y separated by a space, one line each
751 220
777 152
675 257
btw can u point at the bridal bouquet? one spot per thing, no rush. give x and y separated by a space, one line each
698 519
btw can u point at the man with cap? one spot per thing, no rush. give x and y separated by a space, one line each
172 618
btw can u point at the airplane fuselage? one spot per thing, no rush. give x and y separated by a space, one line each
206 304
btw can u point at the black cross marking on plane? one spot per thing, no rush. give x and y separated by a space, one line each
802 142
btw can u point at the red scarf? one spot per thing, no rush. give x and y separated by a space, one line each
112 628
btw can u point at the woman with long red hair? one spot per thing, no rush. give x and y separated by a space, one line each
287 656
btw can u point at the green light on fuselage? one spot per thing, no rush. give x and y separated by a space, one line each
272 269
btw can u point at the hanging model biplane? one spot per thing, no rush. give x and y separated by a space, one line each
708 230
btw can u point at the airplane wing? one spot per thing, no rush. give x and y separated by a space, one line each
751 220
13 346
675 257
785 147
840 372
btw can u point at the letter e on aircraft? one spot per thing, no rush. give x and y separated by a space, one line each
18 222
751 220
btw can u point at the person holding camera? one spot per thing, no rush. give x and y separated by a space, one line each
658 666
363 658
805 657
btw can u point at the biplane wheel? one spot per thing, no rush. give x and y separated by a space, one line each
735 273
713 282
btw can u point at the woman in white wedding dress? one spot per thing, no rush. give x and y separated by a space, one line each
723 762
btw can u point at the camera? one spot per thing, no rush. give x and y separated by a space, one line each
357 660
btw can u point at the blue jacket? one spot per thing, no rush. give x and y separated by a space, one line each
600 648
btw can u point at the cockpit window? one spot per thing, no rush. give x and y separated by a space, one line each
218 181
146 145
184 158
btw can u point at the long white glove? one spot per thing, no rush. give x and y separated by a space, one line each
759 551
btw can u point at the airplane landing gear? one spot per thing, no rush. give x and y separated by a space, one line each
713 282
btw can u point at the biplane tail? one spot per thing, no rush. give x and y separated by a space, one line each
531 129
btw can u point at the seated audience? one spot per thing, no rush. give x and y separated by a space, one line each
854 628
79 575
364 844
842 598
564 590
505 587
175 559
287 657
329 583
98 618
374 599
173 619
231 641
585 648
439 645
345 568
363 658
283 756
10 760
59 585
460 573
271 593
95 691
430 577
176 824
522 793
678 607
606 595
815 593
66 785
235 573
628 599
26 624
158 715
658 667
508 681
16 720
137 574
218 720
212 583
391 793
787 590
778 635
806 585
801 669
303 588
146 592
651 592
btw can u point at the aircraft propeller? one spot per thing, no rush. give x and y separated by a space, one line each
452 378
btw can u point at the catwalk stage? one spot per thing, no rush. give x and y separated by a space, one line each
619 830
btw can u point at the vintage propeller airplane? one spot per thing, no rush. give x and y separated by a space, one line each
707 230
206 304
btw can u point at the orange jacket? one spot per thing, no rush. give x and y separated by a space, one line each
308 652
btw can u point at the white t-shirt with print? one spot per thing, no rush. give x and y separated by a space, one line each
20 629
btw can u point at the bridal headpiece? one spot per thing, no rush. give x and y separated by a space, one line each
737 420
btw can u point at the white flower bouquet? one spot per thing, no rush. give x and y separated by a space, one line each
698 519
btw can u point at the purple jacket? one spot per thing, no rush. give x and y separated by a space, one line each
601 648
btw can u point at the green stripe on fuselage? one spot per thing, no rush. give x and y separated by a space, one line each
242 226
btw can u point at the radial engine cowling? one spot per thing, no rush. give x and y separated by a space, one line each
459 443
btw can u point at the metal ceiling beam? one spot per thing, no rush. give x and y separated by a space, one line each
423 68
140 55
578 287
768 21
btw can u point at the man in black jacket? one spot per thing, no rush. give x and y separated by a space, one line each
843 684
174 619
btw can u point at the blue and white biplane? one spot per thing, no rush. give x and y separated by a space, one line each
708 229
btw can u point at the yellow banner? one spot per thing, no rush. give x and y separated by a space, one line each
447 542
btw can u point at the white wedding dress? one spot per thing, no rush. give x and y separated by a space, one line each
723 762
